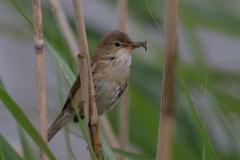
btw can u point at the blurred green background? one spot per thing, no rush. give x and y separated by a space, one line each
208 38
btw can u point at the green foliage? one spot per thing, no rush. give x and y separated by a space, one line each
70 152
105 147
7 151
207 144
84 130
29 153
133 156
1 153
24 122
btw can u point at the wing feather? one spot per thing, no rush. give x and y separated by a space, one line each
73 91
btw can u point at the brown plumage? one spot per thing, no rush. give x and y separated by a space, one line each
110 70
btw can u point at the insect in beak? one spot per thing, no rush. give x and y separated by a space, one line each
138 44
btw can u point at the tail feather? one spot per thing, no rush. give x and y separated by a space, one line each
61 120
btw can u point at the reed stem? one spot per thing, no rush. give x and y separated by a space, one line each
164 148
90 110
124 104
41 93
65 28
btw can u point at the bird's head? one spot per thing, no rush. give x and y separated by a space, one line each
116 42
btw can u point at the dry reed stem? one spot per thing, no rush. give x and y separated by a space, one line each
122 15
124 105
65 28
124 122
84 81
41 93
83 48
166 115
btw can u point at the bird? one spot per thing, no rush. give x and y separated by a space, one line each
110 66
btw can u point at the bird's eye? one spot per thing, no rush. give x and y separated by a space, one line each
117 44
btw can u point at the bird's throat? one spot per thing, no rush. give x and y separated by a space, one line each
123 58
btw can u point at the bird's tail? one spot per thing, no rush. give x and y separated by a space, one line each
61 120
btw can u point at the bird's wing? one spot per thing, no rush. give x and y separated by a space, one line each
77 85
73 91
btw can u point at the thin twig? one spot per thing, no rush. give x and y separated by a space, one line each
205 116
65 28
39 44
124 106
90 111
166 114
154 18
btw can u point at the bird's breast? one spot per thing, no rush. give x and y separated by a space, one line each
107 94
110 79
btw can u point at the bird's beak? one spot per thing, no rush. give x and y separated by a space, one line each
134 45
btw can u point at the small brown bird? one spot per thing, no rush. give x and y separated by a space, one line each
110 71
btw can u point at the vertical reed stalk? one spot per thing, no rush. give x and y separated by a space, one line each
122 15
124 122
166 115
90 110
124 105
39 45
65 28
